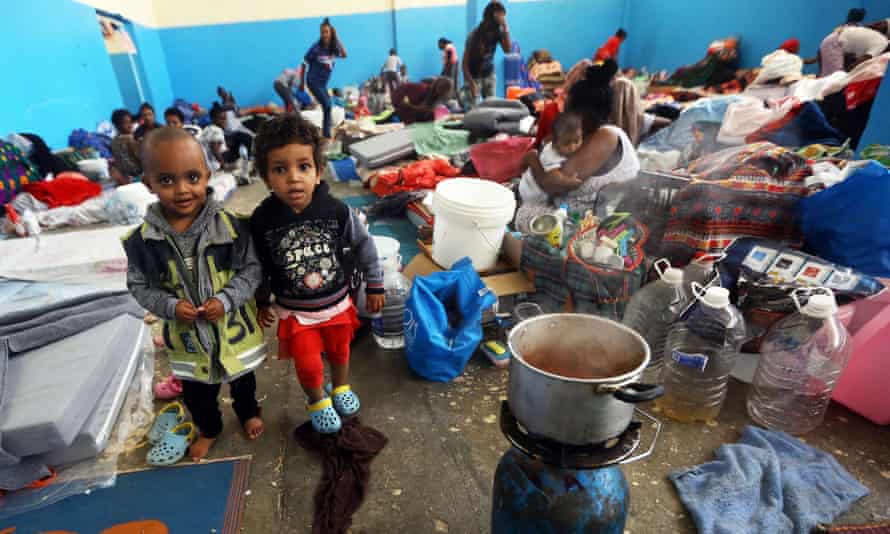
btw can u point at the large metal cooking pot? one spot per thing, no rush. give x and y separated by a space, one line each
574 378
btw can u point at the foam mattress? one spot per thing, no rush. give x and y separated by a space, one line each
52 391
93 437
383 149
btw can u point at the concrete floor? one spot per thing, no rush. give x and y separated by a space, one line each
435 475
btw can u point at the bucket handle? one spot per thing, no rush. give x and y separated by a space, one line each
648 452
479 229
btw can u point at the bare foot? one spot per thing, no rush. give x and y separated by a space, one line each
254 428
200 448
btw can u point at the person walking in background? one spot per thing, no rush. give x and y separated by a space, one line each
478 62
319 61
284 85
449 62
392 71
611 47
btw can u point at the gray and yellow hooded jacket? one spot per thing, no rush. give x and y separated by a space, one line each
225 266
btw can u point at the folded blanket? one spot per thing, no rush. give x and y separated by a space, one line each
767 482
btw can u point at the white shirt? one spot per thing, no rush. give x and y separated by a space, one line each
210 135
860 41
392 64
529 189
289 77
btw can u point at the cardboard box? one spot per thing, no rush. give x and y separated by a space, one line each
503 285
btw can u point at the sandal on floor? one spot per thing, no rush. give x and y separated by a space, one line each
345 400
170 415
324 417
168 388
173 445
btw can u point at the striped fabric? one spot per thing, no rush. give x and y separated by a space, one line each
749 191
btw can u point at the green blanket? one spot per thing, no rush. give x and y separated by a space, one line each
433 138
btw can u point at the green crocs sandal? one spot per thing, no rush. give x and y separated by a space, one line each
169 416
172 446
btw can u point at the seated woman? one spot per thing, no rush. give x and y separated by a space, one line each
717 67
606 156
125 164
416 102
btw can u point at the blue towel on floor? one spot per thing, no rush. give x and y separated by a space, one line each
767 482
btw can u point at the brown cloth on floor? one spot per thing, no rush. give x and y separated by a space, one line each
347 459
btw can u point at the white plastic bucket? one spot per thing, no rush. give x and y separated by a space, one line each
471 216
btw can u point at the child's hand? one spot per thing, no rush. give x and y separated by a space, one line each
212 309
266 316
374 303
185 312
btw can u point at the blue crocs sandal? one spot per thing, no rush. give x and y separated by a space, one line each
345 400
324 418
173 445
169 416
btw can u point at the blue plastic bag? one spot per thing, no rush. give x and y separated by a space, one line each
438 347
849 223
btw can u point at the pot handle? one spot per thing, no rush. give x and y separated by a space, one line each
634 393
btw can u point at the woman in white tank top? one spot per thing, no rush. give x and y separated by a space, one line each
606 157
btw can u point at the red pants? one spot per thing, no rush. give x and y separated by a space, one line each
304 344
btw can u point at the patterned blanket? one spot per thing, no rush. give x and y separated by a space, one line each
748 191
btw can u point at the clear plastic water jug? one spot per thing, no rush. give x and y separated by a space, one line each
388 326
701 350
654 308
802 357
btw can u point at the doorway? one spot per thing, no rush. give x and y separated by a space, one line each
125 60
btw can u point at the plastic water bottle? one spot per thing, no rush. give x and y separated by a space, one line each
701 271
802 357
388 327
700 352
654 308
245 157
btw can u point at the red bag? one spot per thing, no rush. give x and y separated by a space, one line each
67 189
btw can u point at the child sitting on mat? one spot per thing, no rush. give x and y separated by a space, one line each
307 240
193 264
567 139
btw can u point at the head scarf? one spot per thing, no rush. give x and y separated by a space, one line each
792 46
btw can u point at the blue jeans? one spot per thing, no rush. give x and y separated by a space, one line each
320 91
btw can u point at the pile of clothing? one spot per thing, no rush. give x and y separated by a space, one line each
425 174
545 70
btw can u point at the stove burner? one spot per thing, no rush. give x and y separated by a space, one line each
569 456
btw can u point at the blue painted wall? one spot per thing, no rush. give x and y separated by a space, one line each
59 77
245 58
156 79
417 34
571 29
669 34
